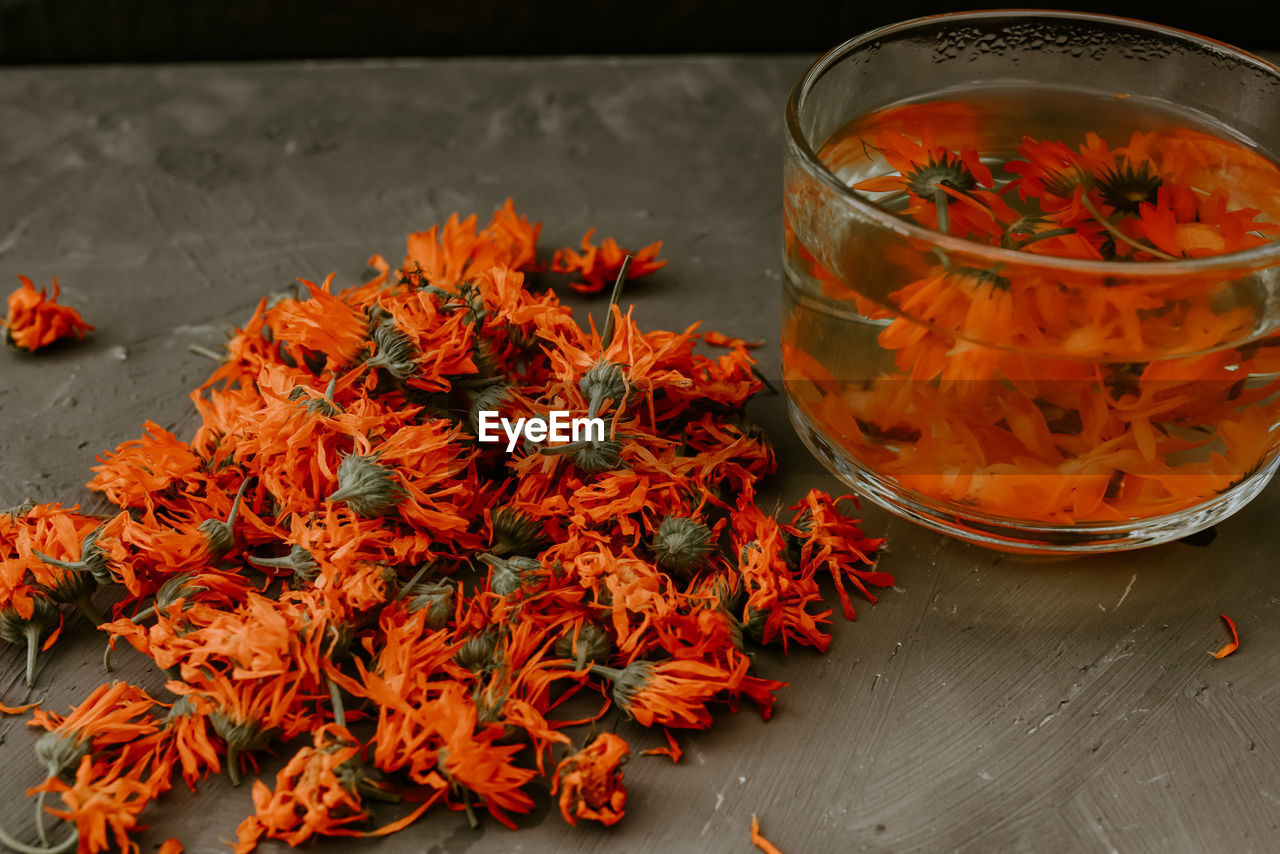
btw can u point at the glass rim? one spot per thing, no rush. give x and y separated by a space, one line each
1256 257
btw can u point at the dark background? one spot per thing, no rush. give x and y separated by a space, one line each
78 31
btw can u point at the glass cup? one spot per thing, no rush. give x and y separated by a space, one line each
998 392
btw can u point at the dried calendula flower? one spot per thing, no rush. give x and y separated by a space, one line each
93 559
36 320
590 456
436 598
324 405
113 714
393 351
590 644
510 574
476 653
76 588
603 381
220 535
670 693
681 544
526 576
299 561
369 488
17 629
241 736
514 532
590 781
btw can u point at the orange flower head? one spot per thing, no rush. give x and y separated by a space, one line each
105 801
36 320
316 794
598 266
113 715
590 781
670 693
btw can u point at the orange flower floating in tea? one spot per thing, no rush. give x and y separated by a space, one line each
1051 394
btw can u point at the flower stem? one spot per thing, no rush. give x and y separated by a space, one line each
32 632
607 338
67 846
233 764
235 505
610 673
369 790
1120 235
597 394
91 613
40 830
206 352
74 566
408 585
1044 235
940 199
466 804
143 614
335 697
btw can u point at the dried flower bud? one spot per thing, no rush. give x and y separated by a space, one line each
596 457
681 545
181 707
394 351
755 623
436 598
514 532
628 681
70 587
484 357
305 397
220 536
476 653
490 398
239 736
299 561
93 559
368 488
179 587
602 381
19 510
60 752
511 574
16 629
593 645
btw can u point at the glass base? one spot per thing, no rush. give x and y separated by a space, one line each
1009 535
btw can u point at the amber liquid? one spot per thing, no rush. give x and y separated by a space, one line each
1042 436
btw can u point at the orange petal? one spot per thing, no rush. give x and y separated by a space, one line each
16 710
759 841
1235 639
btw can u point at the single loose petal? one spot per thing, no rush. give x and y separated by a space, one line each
673 749
759 841
1235 639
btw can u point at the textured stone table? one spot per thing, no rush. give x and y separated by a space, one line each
985 704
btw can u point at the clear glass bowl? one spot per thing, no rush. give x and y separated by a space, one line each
1098 405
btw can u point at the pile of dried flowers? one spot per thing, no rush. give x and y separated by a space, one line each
333 565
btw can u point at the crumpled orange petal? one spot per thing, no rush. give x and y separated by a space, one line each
759 841
1235 639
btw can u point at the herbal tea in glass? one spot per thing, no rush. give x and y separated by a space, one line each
1053 330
